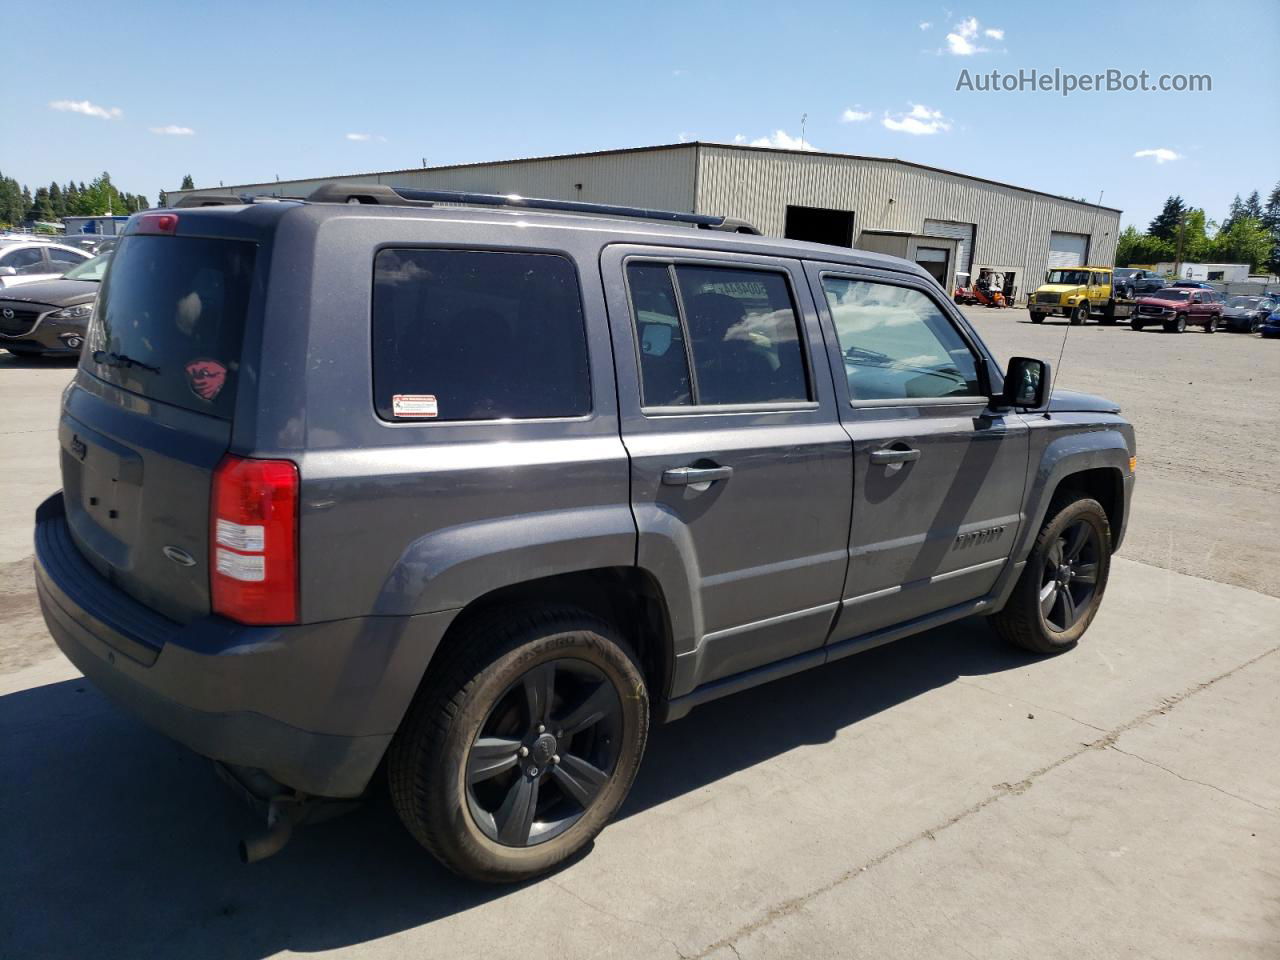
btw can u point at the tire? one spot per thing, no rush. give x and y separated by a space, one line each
1255 326
1080 314
1136 324
1024 621
1177 325
492 682
1109 314
1037 318
1211 326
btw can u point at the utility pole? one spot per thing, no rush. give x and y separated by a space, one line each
803 118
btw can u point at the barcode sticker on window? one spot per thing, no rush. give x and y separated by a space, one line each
414 405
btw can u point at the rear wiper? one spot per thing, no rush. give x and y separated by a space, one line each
121 360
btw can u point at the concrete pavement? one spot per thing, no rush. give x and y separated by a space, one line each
943 796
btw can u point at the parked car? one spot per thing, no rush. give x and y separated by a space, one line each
1200 284
1176 307
1132 282
1271 326
1246 314
29 261
49 317
91 243
362 483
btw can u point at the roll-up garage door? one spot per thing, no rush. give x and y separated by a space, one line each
962 233
1068 249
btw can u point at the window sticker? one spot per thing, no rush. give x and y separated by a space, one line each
415 405
206 378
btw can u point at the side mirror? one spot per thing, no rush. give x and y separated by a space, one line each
1026 383
8 272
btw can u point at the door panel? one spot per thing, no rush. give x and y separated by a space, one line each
938 477
761 547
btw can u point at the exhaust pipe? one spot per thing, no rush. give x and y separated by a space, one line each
271 841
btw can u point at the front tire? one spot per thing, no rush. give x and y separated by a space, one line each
1037 318
1080 314
1061 587
522 744
1176 325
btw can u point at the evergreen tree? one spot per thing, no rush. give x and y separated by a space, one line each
1253 206
1246 242
56 200
1165 225
1234 213
188 183
1271 212
164 199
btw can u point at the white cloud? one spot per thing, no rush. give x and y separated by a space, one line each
919 120
1159 154
366 137
854 115
739 138
961 41
173 130
87 108
783 141
925 24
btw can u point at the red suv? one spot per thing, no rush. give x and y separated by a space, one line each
1175 307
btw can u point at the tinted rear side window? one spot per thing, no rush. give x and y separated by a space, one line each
169 322
470 335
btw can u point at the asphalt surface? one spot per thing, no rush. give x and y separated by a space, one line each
944 796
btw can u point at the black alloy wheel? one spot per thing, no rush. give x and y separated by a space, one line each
1069 578
545 750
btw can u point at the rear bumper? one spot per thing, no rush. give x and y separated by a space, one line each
314 706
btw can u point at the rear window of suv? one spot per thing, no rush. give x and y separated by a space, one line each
477 335
169 321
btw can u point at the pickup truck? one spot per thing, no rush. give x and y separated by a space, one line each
1079 293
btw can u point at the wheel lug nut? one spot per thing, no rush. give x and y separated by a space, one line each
524 751
555 758
541 728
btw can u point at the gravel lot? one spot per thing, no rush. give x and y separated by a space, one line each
941 797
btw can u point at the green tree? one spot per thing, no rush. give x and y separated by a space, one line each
164 199
1234 212
1247 241
1253 206
57 201
188 183
1165 225
1271 212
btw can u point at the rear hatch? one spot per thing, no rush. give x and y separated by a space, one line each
150 413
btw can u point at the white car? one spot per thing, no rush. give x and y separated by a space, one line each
25 261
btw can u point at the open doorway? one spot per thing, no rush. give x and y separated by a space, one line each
818 225
934 260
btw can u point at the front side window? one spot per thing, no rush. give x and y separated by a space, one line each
473 335
65 259
739 326
897 343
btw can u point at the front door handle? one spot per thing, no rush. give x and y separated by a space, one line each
895 455
687 476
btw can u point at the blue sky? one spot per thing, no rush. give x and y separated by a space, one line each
239 92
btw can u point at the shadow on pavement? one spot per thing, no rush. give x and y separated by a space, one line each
18 361
118 843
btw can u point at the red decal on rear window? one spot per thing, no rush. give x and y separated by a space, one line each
206 378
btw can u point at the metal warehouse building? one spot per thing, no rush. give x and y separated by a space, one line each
947 222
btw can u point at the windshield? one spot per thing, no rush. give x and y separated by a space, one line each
1074 277
1126 272
1172 294
1244 301
170 320
89 270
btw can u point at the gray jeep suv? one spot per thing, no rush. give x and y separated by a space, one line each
478 491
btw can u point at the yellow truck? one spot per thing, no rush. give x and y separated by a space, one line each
1078 293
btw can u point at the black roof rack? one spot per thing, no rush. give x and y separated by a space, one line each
227 199
408 196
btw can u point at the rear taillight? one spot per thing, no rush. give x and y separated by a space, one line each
253 540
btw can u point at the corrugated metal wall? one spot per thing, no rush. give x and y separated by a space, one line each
1012 229
1012 225
660 178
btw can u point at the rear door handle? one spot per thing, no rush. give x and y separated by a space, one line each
894 455
686 476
